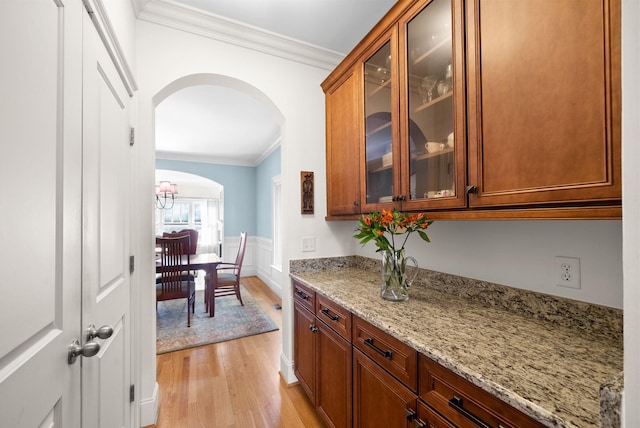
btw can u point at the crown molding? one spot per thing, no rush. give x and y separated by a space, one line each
203 158
268 151
181 17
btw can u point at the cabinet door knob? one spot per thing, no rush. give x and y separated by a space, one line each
472 189
356 203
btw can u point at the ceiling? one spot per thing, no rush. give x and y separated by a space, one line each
210 122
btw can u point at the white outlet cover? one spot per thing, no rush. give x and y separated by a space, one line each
567 272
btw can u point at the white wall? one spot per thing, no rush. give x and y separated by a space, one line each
521 254
165 55
631 208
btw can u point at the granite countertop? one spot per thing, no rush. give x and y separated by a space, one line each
549 371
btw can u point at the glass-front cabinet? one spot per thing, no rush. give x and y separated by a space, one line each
380 88
440 115
414 112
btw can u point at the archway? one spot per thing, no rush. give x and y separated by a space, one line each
233 197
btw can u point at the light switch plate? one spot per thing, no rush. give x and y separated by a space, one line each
308 243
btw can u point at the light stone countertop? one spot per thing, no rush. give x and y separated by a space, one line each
547 370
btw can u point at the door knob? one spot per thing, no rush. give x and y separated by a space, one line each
75 350
103 332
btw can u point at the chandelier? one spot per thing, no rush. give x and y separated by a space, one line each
165 192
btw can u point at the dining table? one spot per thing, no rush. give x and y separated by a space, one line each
208 263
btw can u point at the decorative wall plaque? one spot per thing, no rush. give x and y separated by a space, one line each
306 191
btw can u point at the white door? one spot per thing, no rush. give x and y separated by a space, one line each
106 378
40 205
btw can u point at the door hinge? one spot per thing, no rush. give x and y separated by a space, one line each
132 136
88 8
132 393
132 263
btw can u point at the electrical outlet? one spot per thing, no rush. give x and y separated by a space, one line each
568 272
308 243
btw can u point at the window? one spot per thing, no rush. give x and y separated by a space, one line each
198 214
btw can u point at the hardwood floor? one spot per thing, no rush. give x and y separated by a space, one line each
233 384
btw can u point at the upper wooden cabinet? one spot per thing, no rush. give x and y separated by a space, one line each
343 154
544 101
480 109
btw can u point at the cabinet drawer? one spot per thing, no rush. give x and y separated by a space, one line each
429 418
396 357
463 403
335 316
304 295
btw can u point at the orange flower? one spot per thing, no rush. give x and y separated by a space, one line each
375 225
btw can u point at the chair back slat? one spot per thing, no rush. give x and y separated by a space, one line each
174 261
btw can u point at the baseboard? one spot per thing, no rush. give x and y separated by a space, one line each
271 283
287 385
149 408
286 370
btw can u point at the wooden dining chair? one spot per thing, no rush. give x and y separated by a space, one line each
173 283
193 238
191 248
228 277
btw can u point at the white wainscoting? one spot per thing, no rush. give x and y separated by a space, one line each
268 273
258 259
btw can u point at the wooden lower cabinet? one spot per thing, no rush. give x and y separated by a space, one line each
379 400
333 377
304 349
323 363
357 375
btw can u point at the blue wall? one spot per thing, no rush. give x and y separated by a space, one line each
267 169
247 191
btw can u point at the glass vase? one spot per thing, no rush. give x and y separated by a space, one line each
396 278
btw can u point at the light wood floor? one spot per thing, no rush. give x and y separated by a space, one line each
233 384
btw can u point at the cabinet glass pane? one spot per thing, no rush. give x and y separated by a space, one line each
430 80
378 135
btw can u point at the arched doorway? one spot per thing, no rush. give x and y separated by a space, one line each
248 199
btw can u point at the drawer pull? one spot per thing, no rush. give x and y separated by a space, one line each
386 354
302 295
456 403
331 317
419 423
410 414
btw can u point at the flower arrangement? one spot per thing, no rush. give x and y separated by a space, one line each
375 226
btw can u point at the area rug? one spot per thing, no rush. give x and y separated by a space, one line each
231 321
